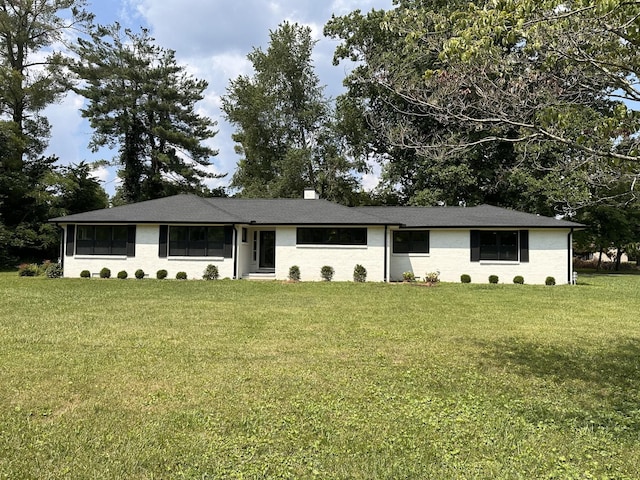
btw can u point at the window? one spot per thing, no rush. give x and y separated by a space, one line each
411 241
106 240
331 236
200 241
244 235
500 245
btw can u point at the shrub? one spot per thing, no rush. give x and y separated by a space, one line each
28 270
161 274
493 279
549 281
85 274
122 275
294 273
181 276
327 272
359 273
139 274
518 279
408 277
432 277
210 273
105 273
464 278
54 270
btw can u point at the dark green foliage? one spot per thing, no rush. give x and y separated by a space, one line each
327 272
493 279
139 274
181 276
549 281
286 130
211 272
85 274
54 270
294 273
518 279
465 278
161 274
105 273
122 275
359 273
140 99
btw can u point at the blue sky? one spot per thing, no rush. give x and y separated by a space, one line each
211 39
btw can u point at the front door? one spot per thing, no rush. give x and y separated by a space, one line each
267 249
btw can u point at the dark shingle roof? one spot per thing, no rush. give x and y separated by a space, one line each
190 209
193 209
485 216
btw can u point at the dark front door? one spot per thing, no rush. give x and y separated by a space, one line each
267 249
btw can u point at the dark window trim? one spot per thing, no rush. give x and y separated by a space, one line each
226 251
89 246
345 236
522 248
411 241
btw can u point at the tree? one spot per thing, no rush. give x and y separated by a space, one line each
549 80
286 128
76 190
142 101
31 78
430 156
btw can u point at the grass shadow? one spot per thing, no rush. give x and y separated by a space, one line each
586 388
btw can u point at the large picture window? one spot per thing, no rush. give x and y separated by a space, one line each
411 241
199 241
331 236
105 240
500 245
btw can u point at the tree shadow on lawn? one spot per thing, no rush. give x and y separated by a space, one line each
586 388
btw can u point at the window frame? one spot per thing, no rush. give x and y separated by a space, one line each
338 236
411 241
198 241
104 240
505 251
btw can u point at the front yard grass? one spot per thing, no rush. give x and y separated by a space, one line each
234 379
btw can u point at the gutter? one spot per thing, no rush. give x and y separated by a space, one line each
235 251
386 254
570 257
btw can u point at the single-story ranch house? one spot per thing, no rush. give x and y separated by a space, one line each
263 238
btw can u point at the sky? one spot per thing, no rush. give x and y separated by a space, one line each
211 39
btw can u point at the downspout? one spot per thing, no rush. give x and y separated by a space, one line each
570 257
386 228
235 252
62 243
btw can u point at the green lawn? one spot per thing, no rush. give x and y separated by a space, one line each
235 379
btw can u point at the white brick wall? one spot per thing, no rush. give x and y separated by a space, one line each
450 254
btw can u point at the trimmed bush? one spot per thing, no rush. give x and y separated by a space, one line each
294 273
85 274
105 273
54 270
210 273
549 281
181 276
464 278
359 274
326 273
493 279
518 279
122 275
408 277
139 274
29 270
161 274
